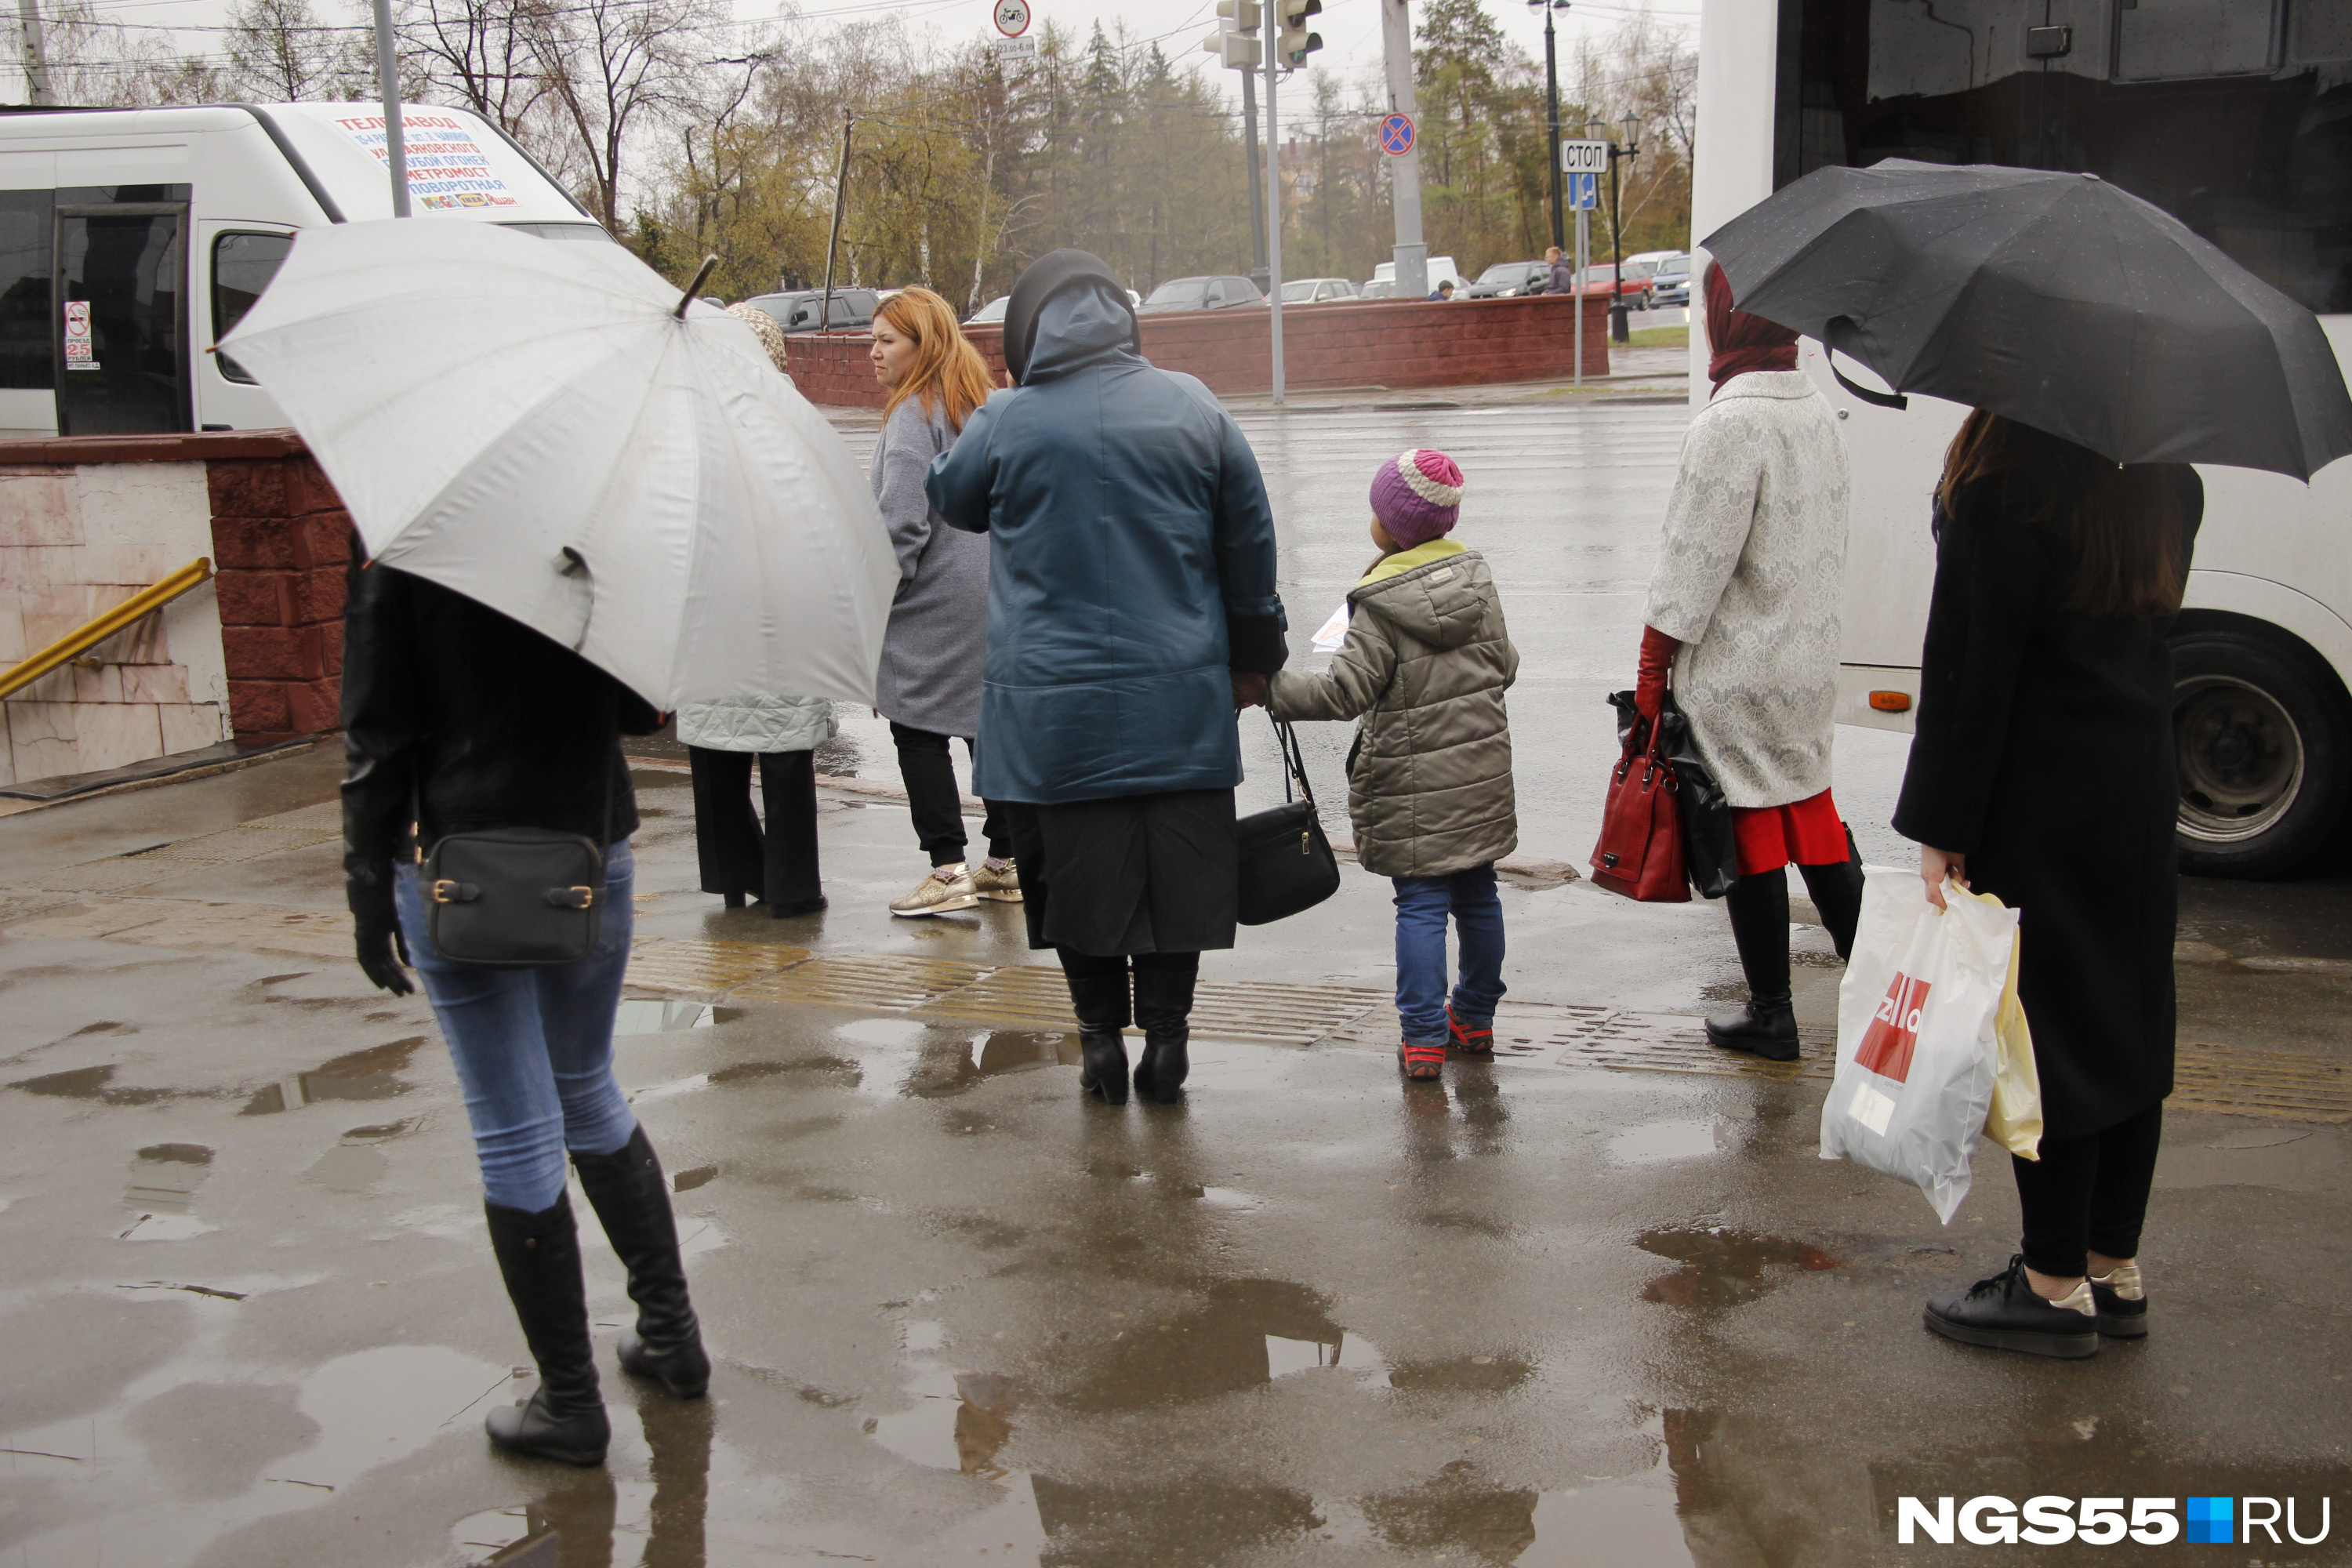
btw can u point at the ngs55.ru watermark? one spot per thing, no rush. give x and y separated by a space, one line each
2107 1520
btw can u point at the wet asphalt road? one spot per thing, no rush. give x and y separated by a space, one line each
1542 1314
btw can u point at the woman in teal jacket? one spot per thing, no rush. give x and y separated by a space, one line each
1131 611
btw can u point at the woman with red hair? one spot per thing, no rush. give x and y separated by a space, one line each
1742 621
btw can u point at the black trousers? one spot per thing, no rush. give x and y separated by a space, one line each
933 800
1100 989
2089 1195
777 865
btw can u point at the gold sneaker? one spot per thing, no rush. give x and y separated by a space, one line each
938 895
1003 885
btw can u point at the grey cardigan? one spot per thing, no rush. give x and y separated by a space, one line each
935 647
1426 662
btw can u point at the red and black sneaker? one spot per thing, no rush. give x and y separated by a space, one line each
1421 1061
1478 1042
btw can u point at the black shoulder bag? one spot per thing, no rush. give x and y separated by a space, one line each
1287 864
517 897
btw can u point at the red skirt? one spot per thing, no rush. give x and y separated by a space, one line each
1809 832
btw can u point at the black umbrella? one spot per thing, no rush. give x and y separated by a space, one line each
2057 300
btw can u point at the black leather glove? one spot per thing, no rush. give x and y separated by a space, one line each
375 928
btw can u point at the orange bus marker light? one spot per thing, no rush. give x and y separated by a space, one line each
1891 701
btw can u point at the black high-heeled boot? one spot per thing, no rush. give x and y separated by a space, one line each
1099 996
632 1201
1164 1009
1837 892
1766 1026
539 1256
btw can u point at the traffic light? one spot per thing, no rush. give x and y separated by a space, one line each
1235 41
1294 43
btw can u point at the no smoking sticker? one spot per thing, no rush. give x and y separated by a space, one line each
78 353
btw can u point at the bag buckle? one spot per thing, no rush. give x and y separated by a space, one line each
569 897
1306 843
448 890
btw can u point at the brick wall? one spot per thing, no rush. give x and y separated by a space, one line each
282 541
1379 344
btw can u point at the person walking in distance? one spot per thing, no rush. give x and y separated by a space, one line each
1426 662
935 647
457 719
772 862
1131 611
1563 272
1742 622
2042 772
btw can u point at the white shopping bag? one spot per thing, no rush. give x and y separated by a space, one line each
1918 1049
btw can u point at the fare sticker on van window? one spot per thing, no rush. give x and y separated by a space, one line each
446 168
78 354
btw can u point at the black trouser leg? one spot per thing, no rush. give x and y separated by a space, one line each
2127 1153
539 1258
932 798
1163 1008
1766 1026
993 826
788 789
726 838
2088 1193
632 1202
1099 996
1837 892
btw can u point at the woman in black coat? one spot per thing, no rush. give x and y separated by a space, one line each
2042 773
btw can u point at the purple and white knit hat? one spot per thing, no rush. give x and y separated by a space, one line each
1417 496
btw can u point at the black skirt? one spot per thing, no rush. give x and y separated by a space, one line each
1139 873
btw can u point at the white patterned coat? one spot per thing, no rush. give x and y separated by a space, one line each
1749 573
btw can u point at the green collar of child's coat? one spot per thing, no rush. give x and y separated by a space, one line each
1406 559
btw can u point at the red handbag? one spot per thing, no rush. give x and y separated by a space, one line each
1641 851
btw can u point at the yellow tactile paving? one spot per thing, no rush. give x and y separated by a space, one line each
891 982
706 968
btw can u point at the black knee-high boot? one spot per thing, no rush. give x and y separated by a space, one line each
538 1254
632 1200
1163 1008
1766 1026
1837 892
1099 996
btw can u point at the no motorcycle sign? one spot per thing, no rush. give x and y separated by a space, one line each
1012 17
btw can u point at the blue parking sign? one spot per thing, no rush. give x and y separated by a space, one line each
1582 193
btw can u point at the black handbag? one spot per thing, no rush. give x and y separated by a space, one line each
517 898
1287 864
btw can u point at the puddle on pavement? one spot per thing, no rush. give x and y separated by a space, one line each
1459 1511
164 1182
370 1074
950 1061
657 1016
1722 1266
91 1083
1246 1332
1461 1374
686 1181
1663 1141
348 1168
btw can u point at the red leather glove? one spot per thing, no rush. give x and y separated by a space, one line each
1650 681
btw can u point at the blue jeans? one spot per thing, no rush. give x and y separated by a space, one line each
1422 906
534 1046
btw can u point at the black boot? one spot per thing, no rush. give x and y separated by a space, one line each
626 1190
1766 1026
538 1254
1163 1007
1837 892
1099 996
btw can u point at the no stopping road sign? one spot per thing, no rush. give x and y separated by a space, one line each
1396 135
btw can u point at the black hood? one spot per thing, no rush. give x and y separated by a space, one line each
1045 277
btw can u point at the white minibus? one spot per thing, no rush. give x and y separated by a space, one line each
132 239
2234 115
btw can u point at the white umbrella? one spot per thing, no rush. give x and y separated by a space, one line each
529 423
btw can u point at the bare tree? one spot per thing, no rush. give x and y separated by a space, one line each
280 51
612 65
480 52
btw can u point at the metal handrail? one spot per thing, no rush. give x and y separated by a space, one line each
76 643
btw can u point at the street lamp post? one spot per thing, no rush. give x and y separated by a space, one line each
1618 330
1552 98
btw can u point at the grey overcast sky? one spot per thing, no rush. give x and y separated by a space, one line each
1350 29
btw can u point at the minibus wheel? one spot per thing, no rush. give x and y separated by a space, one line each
2264 750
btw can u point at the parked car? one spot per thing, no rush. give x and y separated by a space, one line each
992 313
1508 280
1634 290
796 309
1316 290
1440 270
1383 289
1214 293
1670 284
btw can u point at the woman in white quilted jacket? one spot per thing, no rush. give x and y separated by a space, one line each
743 860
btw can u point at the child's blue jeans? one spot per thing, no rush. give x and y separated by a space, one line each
1422 906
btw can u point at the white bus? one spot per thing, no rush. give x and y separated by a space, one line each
130 241
2234 115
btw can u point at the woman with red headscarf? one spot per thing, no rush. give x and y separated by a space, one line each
1742 621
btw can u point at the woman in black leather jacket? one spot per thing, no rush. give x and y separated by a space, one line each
456 719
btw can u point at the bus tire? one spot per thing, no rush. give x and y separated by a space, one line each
2265 751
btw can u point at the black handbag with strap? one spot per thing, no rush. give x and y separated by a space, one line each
1286 863
517 898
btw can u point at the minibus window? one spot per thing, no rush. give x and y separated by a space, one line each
243 264
122 273
28 357
561 230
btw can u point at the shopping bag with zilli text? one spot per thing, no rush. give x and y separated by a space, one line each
1917 1050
